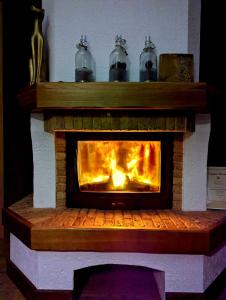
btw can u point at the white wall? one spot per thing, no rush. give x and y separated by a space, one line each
167 21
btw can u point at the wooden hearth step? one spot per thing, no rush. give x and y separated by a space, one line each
148 231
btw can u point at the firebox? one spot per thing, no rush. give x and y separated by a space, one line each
119 170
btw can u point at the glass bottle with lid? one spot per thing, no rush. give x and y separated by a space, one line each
118 61
84 63
148 62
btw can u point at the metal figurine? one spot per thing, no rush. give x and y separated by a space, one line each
35 61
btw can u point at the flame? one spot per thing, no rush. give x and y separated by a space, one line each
119 166
118 178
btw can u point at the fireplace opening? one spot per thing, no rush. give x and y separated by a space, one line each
122 166
119 170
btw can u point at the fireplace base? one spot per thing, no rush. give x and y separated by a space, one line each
30 292
54 270
40 240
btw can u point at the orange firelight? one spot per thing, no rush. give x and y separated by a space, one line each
119 166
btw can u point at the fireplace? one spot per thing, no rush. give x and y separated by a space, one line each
61 228
82 112
119 170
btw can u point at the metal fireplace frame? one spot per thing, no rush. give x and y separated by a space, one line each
116 200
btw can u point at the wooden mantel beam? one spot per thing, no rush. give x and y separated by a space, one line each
160 96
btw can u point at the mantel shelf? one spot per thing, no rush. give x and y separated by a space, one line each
168 96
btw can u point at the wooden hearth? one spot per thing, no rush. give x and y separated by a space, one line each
144 231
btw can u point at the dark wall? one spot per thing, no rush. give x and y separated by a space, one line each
17 142
213 71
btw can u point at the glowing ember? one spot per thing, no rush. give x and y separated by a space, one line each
129 166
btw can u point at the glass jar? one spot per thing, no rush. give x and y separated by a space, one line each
84 63
118 70
148 62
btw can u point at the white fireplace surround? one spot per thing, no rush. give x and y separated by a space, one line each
194 189
179 269
54 270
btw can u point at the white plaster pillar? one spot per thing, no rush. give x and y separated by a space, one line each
194 195
44 164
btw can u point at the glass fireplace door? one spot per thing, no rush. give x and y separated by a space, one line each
119 170
119 166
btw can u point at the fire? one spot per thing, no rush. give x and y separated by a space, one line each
128 166
118 179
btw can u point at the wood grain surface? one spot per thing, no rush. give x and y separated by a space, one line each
147 231
115 95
